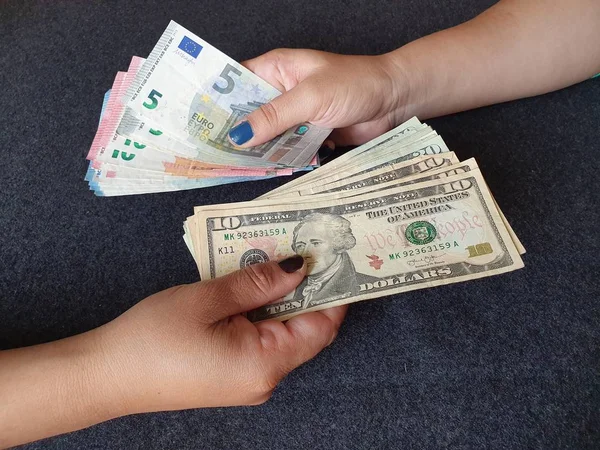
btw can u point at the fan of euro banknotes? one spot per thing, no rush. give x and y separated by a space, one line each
398 213
164 124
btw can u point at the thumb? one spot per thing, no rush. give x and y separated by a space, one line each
290 344
251 287
296 106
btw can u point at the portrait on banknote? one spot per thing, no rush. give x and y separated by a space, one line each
324 240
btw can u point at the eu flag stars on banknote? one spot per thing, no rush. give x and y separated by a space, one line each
165 123
190 47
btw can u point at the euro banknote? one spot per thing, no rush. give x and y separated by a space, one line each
145 136
120 166
198 94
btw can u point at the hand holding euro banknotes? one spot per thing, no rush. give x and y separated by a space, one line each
165 124
398 213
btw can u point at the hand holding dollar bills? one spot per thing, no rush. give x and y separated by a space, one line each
398 213
165 124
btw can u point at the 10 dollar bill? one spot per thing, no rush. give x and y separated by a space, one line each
362 247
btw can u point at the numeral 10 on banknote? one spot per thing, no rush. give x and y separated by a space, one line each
226 223
480 249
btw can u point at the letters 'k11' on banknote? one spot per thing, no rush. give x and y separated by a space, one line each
379 243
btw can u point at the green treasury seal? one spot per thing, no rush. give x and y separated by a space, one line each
254 256
420 233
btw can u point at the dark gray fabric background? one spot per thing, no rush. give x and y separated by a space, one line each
506 362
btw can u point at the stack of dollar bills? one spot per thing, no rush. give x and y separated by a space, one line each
165 123
398 213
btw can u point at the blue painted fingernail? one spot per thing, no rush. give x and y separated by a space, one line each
241 133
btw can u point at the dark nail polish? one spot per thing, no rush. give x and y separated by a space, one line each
292 264
241 133
325 152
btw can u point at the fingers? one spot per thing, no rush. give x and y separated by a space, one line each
289 70
290 344
313 332
268 68
360 133
284 68
298 105
329 143
251 287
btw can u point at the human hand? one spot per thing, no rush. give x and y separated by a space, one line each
189 347
185 347
361 96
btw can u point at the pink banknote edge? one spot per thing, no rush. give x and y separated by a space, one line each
115 108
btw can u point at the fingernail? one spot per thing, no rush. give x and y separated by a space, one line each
329 143
241 133
292 264
325 152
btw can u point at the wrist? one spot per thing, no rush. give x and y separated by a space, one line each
55 388
406 85
85 381
99 378
115 372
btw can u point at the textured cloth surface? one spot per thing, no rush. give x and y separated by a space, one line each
506 362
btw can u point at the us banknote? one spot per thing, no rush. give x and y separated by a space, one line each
413 171
410 172
416 171
403 135
361 247
388 173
